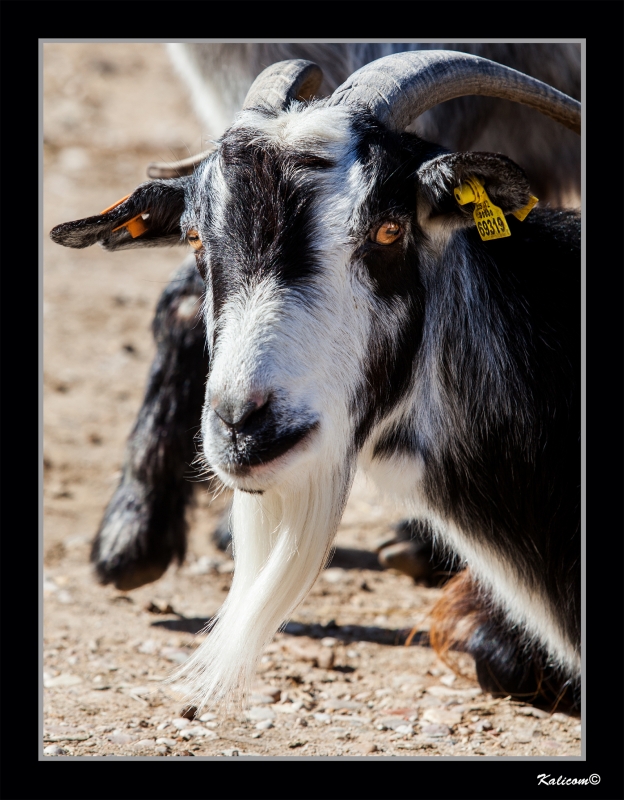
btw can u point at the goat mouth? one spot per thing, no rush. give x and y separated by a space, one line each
256 461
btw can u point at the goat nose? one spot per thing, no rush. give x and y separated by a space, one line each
235 413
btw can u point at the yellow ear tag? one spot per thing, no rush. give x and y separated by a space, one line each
489 219
134 226
522 213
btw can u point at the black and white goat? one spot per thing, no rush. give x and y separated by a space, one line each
144 526
354 318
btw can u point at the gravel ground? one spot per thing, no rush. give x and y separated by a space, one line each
338 681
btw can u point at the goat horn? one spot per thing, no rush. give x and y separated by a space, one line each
294 79
401 87
176 169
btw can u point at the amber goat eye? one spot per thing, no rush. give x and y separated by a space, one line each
387 233
193 238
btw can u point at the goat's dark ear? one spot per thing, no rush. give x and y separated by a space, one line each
149 217
503 180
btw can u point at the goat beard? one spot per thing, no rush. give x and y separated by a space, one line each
282 539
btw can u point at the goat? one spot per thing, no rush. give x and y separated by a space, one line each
144 527
355 318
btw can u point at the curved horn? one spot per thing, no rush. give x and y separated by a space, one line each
401 87
175 169
294 79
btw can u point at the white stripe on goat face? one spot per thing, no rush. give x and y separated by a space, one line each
290 338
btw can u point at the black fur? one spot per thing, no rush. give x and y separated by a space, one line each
144 525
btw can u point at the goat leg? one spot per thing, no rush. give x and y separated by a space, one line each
144 526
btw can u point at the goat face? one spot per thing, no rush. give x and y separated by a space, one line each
308 316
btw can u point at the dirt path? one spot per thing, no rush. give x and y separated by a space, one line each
338 681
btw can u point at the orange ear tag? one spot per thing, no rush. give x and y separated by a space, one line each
134 226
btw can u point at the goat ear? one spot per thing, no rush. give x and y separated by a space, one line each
503 180
149 217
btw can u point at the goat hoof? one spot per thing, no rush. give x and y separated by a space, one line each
138 537
411 558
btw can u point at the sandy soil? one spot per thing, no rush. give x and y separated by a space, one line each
339 680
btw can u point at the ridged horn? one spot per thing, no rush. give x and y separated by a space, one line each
401 87
277 85
176 169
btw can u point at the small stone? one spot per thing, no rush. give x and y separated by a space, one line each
405 729
231 753
325 659
207 717
166 741
175 654
559 717
436 730
54 750
189 712
149 647
298 743
329 641
180 723
262 699
62 681
301 722
336 705
161 750
442 716
259 713
159 607
482 725
448 680
121 738
143 744
256 735
533 712
325 718
264 725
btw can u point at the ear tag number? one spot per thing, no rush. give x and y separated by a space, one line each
489 219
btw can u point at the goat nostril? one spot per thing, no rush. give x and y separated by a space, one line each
234 415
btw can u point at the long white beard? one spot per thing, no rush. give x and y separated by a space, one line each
282 539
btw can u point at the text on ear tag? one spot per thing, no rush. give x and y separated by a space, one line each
489 219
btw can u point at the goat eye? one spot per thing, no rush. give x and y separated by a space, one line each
194 239
387 233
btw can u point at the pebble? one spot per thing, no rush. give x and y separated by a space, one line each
533 712
233 752
149 647
180 723
54 750
264 725
208 717
442 716
482 725
389 723
62 681
326 718
168 742
174 654
121 738
449 691
436 730
198 730
162 751
143 744
405 729
260 713
336 705
260 699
